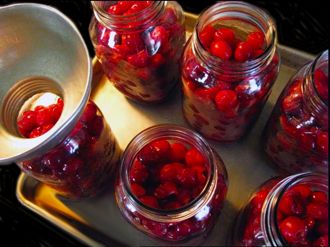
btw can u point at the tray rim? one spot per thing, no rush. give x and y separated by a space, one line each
60 223
65 226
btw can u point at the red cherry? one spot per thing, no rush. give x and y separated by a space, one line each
243 52
323 227
43 116
303 189
160 34
36 132
221 49
184 196
157 151
53 159
96 126
226 101
186 177
288 127
200 172
319 196
140 60
307 141
124 6
89 113
293 229
165 190
157 60
256 40
322 142
194 158
137 6
138 172
178 152
322 241
133 42
137 189
115 10
292 103
206 93
27 123
162 147
72 166
257 53
150 201
321 84
46 128
169 171
318 211
206 36
227 35
291 204
55 111
258 200
184 229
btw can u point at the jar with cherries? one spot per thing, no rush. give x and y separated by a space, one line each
139 44
228 68
296 136
291 211
171 185
82 162
48 125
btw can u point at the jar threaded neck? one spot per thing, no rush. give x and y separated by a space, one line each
268 220
243 11
133 21
183 134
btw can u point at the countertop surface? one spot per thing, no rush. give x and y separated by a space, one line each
301 24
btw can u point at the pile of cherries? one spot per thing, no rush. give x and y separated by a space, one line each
79 163
142 64
34 123
224 44
302 216
298 138
168 175
219 105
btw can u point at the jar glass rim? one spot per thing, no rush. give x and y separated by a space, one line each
120 21
243 10
322 57
129 157
268 219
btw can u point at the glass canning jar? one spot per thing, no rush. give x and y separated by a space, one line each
296 136
171 185
48 125
139 44
228 68
83 162
291 211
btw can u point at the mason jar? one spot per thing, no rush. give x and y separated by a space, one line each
171 185
228 68
48 124
139 44
291 211
296 136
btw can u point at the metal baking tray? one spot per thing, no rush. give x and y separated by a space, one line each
98 221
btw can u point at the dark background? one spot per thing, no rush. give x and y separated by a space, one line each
301 24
